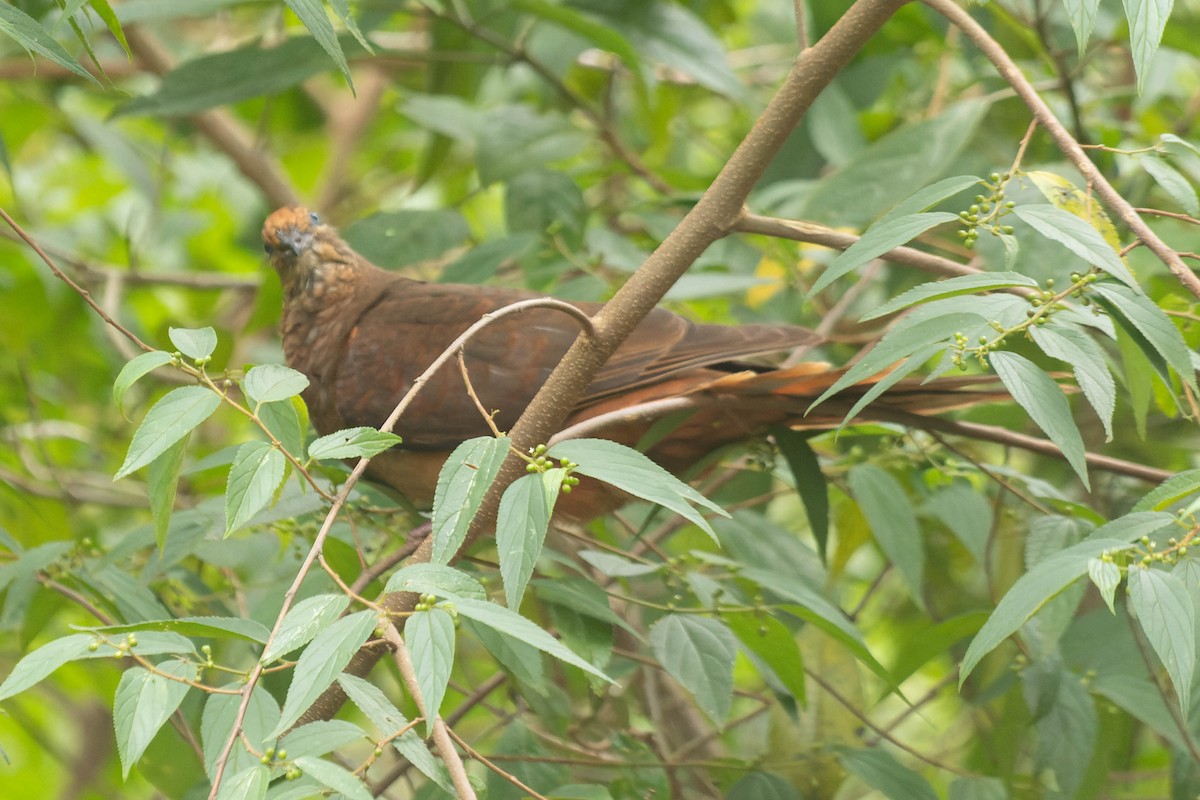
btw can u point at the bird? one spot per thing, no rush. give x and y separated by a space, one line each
362 335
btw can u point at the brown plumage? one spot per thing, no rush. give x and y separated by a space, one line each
362 335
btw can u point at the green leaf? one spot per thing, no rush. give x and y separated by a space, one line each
762 786
106 14
220 710
268 383
320 737
879 239
615 566
480 263
1147 20
303 622
928 196
1139 364
371 700
436 579
1166 611
395 239
542 201
514 625
194 343
145 701
966 511
429 636
521 525
1082 14
671 35
632 472
698 652
1075 234
522 660
342 9
876 768
162 481
890 515
283 421
256 473
516 139
35 666
908 337
217 627
973 788
335 777
922 645
1072 345
30 35
601 36
168 421
1170 491
1036 587
136 369
951 287
312 14
321 662
1173 183
249 784
352 443
461 486
228 77
583 597
1151 324
1106 576
810 481
1047 406
775 645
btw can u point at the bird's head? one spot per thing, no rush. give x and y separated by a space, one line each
304 252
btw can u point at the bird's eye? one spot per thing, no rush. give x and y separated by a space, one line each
268 248
312 215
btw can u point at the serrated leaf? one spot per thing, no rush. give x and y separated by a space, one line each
162 481
879 239
908 337
335 777
1147 20
461 486
876 768
1173 183
435 579
583 597
1068 197
1082 14
615 566
371 700
33 38
1105 576
169 420
220 710
1036 587
312 14
304 621
136 369
698 652
320 737
35 666
352 443
512 624
194 342
217 627
249 784
891 518
521 525
1166 611
1047 406
951 287
1079 237
632 472
775 645
321 662
256 473
1072 345
810 481
282 419
1170 491
268 383
1152 324
144 701
430 638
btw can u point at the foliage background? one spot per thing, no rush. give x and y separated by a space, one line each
553 145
